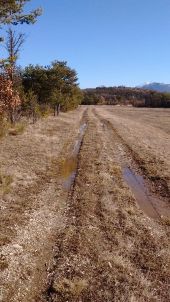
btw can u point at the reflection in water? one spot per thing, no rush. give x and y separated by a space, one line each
68 171
149 203
69 166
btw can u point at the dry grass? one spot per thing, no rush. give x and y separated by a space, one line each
3 263
6 128
4 125
5 184
33 210
146 132
166 221
104 247
17 129
70 288
108 240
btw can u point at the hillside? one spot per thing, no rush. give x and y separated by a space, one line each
121 95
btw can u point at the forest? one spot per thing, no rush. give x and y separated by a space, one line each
125 96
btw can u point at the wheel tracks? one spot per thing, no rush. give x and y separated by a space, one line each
80 259
74 246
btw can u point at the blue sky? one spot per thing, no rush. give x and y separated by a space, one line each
108 42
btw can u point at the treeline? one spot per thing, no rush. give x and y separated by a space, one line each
38 90
125 96
32 91
51 86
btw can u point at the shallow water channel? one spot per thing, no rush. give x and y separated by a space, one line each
69 165
149 203
152 205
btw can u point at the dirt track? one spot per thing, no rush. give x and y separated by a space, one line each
90 241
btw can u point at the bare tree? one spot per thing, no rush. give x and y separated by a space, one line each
13 46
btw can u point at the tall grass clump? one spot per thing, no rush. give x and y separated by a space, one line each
3 126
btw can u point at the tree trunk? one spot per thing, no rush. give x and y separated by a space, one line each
54 110
34 118
12 116
58 109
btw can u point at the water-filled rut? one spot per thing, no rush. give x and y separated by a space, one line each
151 204
69 165
147 201
102 247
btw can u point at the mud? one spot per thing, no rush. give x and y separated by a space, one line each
94 242
153 205
33 211
146 201
69 165
146 134
104 230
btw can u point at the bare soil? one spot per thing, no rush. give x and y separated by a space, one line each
92 239
146 133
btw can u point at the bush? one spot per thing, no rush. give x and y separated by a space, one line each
45 110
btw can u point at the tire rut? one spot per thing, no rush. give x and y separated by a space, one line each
158 207
77 257
102 255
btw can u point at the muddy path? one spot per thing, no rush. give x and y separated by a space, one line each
109 250
89 239
146 134
144 190
33 211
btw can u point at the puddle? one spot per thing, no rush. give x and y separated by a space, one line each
68 171
149 203
69 166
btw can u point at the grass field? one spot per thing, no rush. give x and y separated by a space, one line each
85 207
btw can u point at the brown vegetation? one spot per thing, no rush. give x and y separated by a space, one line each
90 242
136 97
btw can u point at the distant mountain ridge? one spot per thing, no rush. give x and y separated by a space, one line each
160 87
